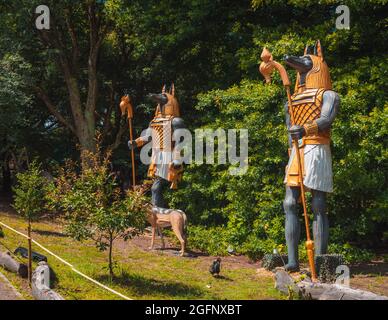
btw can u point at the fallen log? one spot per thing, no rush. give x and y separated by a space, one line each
40 286
306 289
35 256
10 264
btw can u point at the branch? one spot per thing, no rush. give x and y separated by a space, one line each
119 134
107 122
54 39
73 37
53 109
94 43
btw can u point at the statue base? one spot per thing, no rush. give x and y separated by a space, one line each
325 264
273 261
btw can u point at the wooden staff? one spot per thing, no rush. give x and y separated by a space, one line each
266 68
126 108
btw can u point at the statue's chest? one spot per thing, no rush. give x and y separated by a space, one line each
161 133
307 106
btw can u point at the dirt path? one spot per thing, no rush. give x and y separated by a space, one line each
7 291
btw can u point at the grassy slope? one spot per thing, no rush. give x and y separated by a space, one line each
139 274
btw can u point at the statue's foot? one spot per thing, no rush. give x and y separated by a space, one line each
292 267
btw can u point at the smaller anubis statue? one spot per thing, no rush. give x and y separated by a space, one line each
314 107
166 164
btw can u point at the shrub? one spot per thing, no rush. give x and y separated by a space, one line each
351 254
94 207
250 206
30 192
213 241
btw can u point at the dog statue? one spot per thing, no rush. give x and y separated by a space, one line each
160 218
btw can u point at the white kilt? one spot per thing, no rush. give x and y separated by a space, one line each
162 159
317 167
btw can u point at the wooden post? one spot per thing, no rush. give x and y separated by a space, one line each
29 253
132 154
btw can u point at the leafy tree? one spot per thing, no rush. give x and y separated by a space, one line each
93 205
30 192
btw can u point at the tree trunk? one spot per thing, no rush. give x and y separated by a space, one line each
6 177
110 256
83 122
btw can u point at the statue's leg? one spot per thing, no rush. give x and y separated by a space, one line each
157 192
321 221
290 205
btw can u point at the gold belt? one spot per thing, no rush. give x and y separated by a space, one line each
315 140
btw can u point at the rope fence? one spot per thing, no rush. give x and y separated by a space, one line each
66 263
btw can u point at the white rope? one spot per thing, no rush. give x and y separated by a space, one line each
67 263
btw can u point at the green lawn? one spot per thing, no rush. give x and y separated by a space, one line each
139 274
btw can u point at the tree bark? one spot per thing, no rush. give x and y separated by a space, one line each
6 177
83 122
110 256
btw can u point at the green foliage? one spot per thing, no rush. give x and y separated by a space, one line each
250 206
211 240
94 207
30 192
211 50
350 253
255 221
215 196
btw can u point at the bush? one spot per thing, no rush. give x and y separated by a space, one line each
250 206
256 248
30 192
351 254
213 241
94 207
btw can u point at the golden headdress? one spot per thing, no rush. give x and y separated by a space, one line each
171 108
318 76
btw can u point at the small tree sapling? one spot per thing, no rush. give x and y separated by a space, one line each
94 206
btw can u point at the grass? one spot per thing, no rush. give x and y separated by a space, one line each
139 274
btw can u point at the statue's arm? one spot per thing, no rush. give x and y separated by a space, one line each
177 124
145 137
330 107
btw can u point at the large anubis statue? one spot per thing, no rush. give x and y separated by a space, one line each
314 106
166 165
